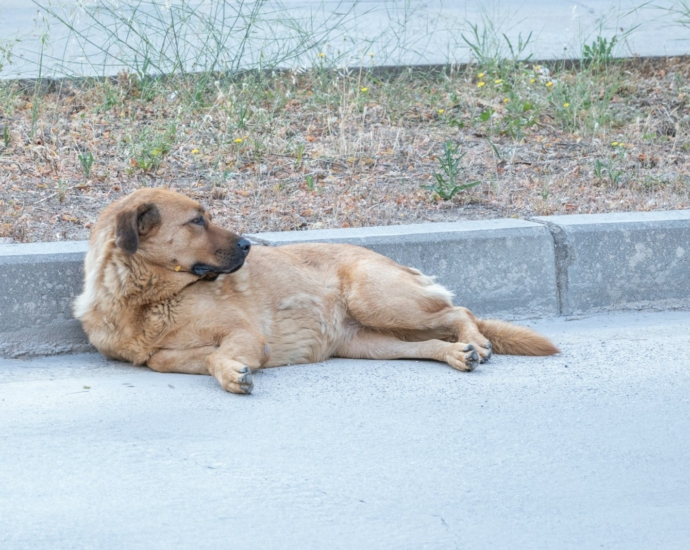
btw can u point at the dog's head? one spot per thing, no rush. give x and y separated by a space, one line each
167 229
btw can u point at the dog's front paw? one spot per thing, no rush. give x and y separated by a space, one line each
462 357
234 377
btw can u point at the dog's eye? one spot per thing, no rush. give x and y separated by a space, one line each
199 220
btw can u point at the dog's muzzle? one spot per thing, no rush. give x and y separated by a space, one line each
231 262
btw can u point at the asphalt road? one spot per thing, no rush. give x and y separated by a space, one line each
588 449
398 32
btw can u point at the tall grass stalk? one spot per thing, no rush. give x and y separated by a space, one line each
153 38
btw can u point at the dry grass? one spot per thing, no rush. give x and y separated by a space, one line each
345 149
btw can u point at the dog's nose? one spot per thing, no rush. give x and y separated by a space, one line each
244 245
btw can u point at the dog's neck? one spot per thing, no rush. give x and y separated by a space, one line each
138 283
118 282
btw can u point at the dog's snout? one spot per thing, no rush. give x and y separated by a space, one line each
244 245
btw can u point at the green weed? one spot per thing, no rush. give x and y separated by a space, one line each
492 48
149 148
520 114
599 52
446 181
607 172
6 47
151 38
86 161
6 136
62 188
299 155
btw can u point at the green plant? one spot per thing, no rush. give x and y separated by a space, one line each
310 182
498 157
680 9
6 136
86 161
242 116
608 170
62 189
599 52
519 115
545 191
36 101
6 47
299 155
150 38
581 100
446 182
486 114
492 48
148 150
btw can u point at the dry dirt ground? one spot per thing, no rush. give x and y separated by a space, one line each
349 148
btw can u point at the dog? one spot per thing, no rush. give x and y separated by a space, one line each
167 288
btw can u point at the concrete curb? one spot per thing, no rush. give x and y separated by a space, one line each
39 281
557 265
610 262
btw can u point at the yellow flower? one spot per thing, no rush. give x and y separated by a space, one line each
480 84
239 140
506 100
364 89
441 111
566 105
371 54
322 55
614 143
498 81
549 84
480 75
195 151
531 80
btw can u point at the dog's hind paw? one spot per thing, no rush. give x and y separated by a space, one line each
486 352
462 357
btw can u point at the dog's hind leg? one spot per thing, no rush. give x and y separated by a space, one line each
368 344
386 296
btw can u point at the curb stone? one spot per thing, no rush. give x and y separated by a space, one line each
554 265
610 262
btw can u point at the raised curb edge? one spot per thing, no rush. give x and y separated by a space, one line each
509 268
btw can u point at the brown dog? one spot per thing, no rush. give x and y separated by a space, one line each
164 288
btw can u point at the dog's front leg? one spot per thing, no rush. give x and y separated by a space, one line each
186 361
232 363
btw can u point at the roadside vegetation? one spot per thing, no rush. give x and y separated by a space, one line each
335 146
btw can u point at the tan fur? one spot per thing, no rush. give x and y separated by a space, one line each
508 339
158 291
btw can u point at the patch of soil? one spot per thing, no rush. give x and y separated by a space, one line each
356 151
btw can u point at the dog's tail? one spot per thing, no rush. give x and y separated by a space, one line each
509 339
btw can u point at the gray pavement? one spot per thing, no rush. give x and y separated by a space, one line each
397 32
588 449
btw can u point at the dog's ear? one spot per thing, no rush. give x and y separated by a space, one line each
133 224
